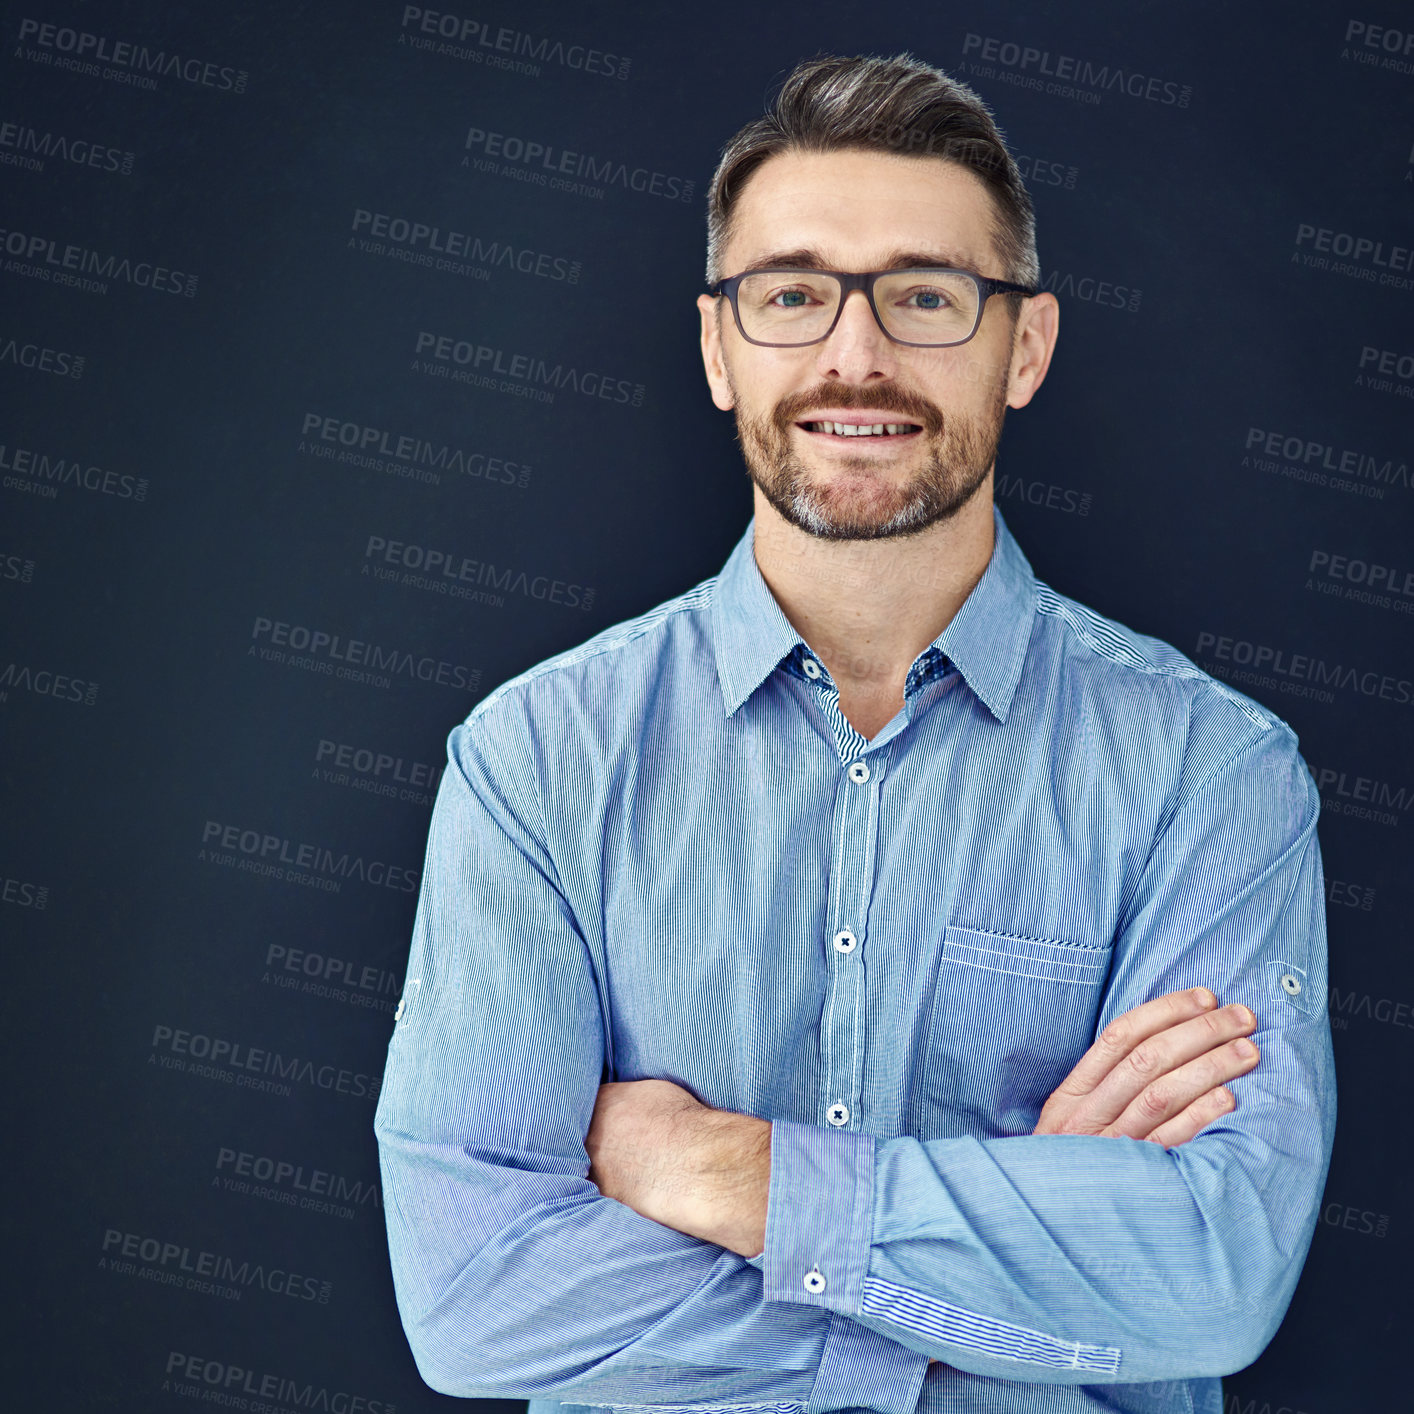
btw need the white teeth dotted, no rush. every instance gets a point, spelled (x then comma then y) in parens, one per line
(851, 429)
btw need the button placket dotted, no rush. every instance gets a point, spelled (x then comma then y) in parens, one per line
(853, 845)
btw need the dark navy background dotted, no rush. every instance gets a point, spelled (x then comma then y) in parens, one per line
(1219, 457)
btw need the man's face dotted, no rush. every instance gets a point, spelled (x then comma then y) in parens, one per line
(863, 211)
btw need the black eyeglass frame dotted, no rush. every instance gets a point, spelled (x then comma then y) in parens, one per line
(849, 281)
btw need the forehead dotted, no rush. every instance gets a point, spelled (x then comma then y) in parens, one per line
(857, 209)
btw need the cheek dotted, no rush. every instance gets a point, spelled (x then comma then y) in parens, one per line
(975, 379)
(751, 398)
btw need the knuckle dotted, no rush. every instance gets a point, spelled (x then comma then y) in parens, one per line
(1153, 1103)
(1142, 1061)
(1115, 1037)
(1212, 1022)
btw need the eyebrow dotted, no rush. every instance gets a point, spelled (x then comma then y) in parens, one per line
(805, 259)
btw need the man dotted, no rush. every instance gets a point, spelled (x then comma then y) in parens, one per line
(797, 903)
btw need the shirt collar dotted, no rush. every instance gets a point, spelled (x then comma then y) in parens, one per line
(986, 639)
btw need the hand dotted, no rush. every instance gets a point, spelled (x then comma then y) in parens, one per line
(1157, 1071)
(657, 1149)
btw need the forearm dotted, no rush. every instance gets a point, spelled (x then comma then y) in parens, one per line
(705, 1172)
(577, 1298)
(551, 1289)
(1060, 1258)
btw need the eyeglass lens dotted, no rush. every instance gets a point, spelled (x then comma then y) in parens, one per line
(918, 306)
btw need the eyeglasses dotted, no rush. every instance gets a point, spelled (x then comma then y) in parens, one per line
(926, 308)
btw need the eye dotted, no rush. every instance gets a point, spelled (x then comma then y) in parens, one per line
(928, 299)
(793, 298)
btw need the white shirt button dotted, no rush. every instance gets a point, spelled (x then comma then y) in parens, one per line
(859, 773)
(811, 669)
(815, 1281)
(1292, 983)
(838, 1115)
(845, 941)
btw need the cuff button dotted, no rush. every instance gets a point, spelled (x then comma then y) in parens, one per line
(1291, 983)
(815, 1281)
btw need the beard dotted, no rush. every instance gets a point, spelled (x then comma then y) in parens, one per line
(958, 453)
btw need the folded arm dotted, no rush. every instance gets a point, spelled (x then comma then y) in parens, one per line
(1155, 1073)
(1078, 1254)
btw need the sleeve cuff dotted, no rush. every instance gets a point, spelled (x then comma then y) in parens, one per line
(819, 1216)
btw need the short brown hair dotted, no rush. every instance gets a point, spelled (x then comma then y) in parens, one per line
(900, 105)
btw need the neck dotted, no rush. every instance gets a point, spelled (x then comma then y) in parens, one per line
(868, 608)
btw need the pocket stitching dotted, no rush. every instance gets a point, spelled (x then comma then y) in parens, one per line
(955, 940)
(1022, 938)
(1088, 981)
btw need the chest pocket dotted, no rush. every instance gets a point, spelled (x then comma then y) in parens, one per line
(1010, 1018)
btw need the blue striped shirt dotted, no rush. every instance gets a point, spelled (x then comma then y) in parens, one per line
(667, 854)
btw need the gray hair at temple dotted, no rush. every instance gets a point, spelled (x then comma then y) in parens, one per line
(900, 105)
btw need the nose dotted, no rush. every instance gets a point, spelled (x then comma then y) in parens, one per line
(857, 350)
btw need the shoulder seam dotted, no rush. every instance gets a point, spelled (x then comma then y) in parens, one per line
(1119, 651)
(607, 640)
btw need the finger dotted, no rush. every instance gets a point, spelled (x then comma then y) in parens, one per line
(1160, 1056)
(1146, 1063)
(1189, 1122)
(1167, 1096)
(1126, 1031)
(1070, 1110)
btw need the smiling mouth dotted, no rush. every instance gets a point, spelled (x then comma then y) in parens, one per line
(865, 429)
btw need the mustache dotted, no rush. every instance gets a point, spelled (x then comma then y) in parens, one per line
(906, 406)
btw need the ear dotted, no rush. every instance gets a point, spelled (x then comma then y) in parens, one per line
(712, 364)
(1034, 341)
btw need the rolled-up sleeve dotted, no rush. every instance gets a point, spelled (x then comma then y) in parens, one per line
(1095, 1260)
(514, 1276)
